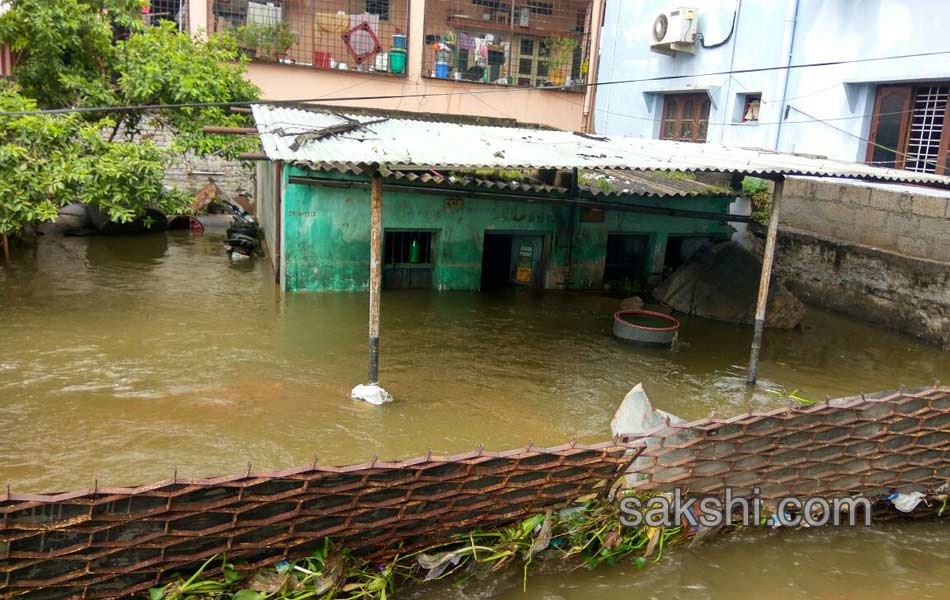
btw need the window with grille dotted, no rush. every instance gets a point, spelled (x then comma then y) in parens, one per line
(353, 35)
(404, 248)
(910, 128)
(523, 42)
(685, 117)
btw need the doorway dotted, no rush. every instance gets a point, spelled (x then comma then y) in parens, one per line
(511, 260)
(627, 259)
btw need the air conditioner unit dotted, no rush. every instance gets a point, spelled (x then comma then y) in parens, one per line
(675, 31)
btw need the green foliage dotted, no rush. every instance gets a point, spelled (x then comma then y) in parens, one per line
(67, 48)
(266, 41)
(591, 179)
(589, 533)
(89, 53)
(48, 161)
(676, 175)
(758, 192)
(162, 66)
(37, 163)
(560, 51)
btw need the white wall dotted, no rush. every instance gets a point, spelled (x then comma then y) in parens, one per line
(826, 30)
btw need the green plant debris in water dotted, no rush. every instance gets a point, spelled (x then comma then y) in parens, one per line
(588, 533)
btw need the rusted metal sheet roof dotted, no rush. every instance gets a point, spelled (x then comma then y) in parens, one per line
(395, 143)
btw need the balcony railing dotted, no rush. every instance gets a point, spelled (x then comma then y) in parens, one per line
(527, 43)
(362, 35)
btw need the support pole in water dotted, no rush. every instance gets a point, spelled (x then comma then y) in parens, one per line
(375, 275)
(372, 392)
(767, 260)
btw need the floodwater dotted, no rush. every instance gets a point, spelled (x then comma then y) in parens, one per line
(124, 359)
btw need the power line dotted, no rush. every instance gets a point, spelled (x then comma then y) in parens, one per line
(904, 155)
(113, 109)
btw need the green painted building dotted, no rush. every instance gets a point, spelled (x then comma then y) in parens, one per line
(478, 230)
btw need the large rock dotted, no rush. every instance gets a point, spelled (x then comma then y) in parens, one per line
(632, 303)
(721, 282)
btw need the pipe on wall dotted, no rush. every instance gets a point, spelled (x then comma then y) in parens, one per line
(791, 25)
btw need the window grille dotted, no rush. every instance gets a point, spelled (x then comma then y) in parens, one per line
(910, 128)
(524, 43)
(926, 128)
(408, 248)
(360, 35)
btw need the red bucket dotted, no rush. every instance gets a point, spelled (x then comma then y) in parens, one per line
(321, 60)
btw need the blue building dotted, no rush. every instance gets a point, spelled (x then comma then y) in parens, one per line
(737, 72)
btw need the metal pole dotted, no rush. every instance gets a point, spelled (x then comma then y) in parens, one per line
(767, 259)
(375, 275)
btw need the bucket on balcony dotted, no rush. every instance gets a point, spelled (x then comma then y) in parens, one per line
(399, 41)
(397, 61)
(321, 60)
(442, 70)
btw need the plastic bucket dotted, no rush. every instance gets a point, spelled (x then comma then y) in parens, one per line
(397, 62)
(321, 60)
(399, 41)
(442, 70)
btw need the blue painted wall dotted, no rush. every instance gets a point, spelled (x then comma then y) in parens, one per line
(826, 30)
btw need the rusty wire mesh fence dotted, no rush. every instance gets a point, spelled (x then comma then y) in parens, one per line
(114, 542)
(866, 445)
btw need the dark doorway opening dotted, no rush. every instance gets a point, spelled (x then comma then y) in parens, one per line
(496, 262)
(627, 259)
(680, 248)
(511, 260)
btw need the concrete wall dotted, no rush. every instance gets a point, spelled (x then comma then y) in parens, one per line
(326, 234)
(824, 31)
(267, 203)
(897, 292)
(903, 219)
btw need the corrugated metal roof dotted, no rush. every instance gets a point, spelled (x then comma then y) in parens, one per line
(396, 143)
(611, 182)
(469, 181)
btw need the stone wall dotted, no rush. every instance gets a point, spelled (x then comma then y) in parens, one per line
(892, 290)
(911, 221)
(191, 173)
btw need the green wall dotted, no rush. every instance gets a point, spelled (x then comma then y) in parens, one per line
(327, 232)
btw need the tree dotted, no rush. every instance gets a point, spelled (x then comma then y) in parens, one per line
(100, 53)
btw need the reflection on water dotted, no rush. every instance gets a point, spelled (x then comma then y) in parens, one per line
(122, 359)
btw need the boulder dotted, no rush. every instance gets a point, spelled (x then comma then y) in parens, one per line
(632, 303)
(721, 282)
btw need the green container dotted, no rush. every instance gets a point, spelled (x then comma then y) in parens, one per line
(414, 254)
(397, 61)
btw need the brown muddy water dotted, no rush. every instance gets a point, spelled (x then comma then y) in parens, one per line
(122, 359)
